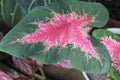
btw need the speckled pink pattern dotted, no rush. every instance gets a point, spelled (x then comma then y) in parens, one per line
(113, 48)
(4, 76)
(61, 30)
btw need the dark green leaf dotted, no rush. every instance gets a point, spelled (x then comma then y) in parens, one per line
(10, 12)
(27, 5)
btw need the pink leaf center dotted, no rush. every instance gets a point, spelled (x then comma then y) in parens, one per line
(113, 48)
(61, 30)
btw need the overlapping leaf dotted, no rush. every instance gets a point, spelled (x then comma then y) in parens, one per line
(112, 42)
(53, 55)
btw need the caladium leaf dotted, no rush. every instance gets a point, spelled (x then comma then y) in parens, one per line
(49, 38)
(10, 12)
(112, 43)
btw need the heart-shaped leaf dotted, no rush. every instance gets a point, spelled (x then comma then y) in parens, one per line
(112, 43)
(67, 40)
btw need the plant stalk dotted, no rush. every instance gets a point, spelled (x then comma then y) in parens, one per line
(45, 2)
(43, 74)
(29, 8)
(49, 1)
(33, 73)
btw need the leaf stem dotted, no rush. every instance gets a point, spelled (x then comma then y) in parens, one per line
(108, 76)
(13, 14)
(45, 2)
(49, 1)
(33, 73)
(42, 73)
(29, 8)
(2, 10)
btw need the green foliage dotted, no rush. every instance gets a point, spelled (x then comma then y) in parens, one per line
(10, 12)
(37, 51)
(113, 74)
(103, 33)
(27, 5)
